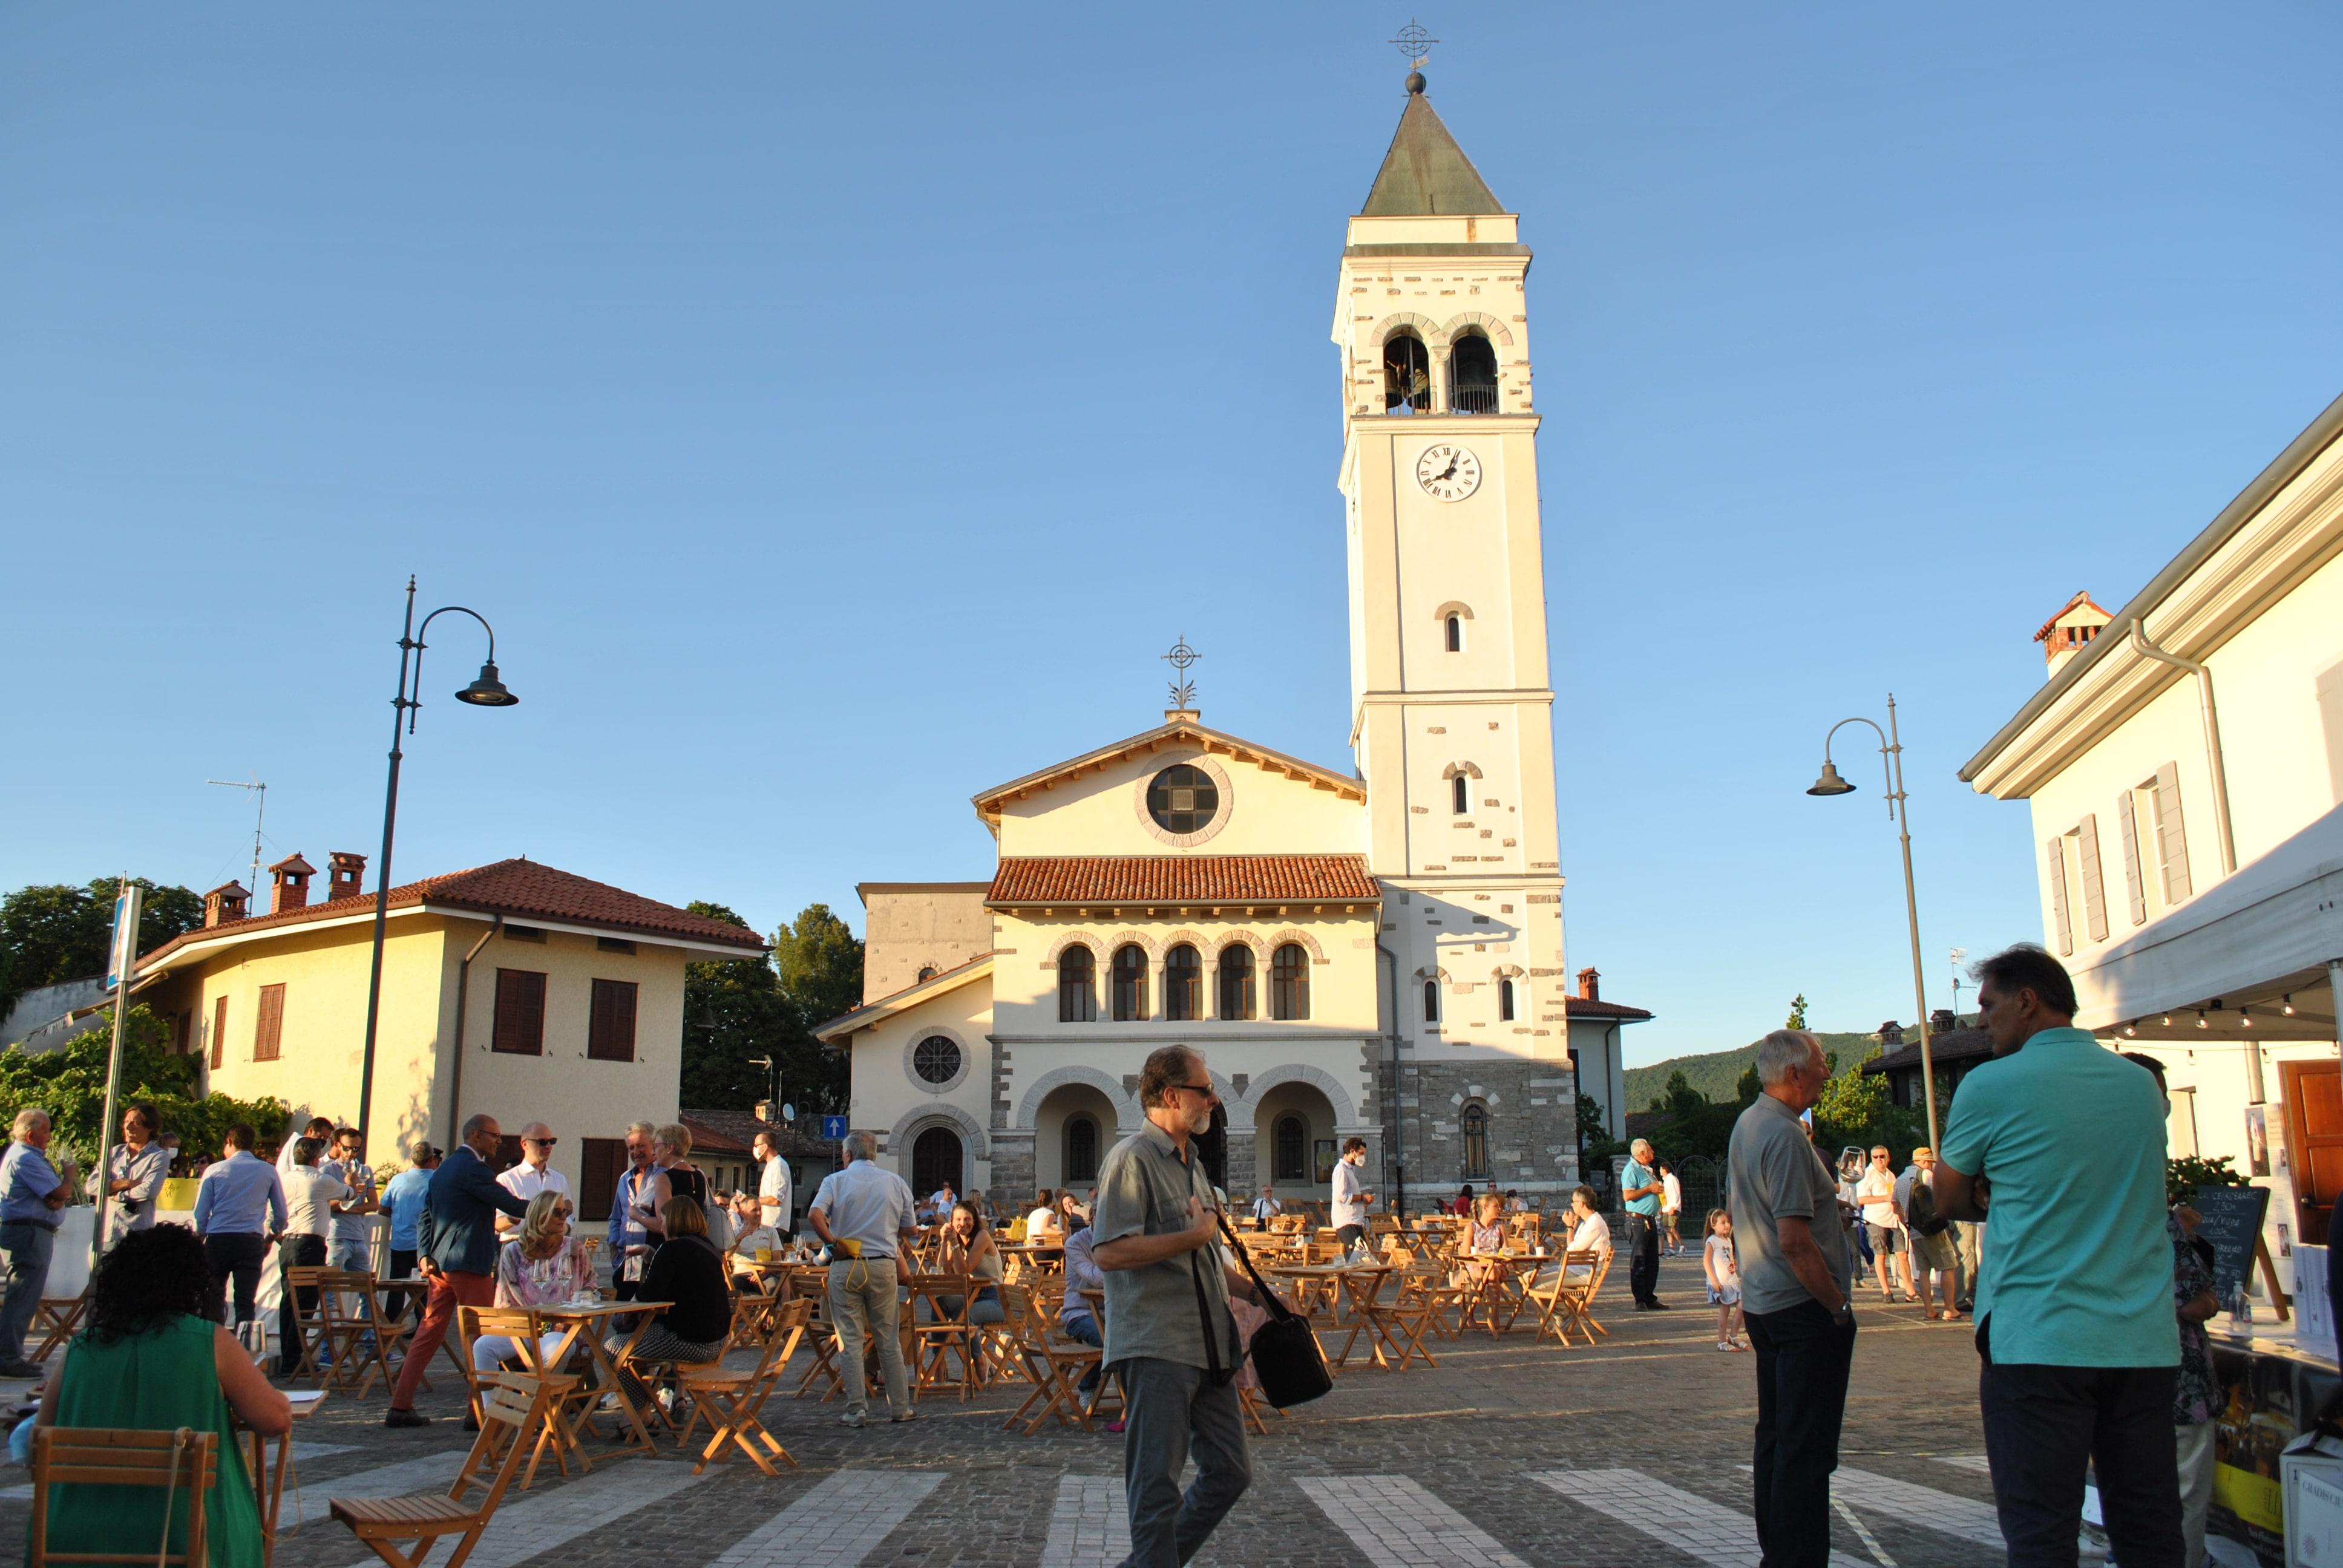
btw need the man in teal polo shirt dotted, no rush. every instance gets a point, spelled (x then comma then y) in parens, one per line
(2065, 1140)
(1640, 1185)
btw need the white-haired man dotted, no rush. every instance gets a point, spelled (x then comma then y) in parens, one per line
(32, 1191)
(1641, 1186)
(865, 1216)
(1796, 1276)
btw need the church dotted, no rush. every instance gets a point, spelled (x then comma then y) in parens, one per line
(1374, 951)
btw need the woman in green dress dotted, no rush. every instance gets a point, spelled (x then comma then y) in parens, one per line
(154, 1357)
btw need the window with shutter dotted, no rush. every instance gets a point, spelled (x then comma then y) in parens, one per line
(268, 1024)
(2059, 925)
(2171, 835)
(602, 1161)
(219, 1031)
(610, 1032)
(2094, 895)
(2135, 887)
(185, 1031)
(520, 1013)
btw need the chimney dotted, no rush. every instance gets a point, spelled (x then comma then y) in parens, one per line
(292, 888)
(344, 875)
(225, 903)
(2069, 632)
(1891, 1034)
(1942, 1022)
(1590, 985)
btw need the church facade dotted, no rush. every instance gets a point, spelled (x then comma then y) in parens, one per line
(1374, 952)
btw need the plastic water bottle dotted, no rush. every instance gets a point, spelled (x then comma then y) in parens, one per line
(2241, 1308)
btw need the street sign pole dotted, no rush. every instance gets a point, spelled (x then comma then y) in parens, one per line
(121, 972)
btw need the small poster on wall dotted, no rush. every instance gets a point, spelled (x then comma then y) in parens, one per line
(1322, 1160)
(2258, 1140)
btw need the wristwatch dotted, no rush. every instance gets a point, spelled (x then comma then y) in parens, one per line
(1846, 1313)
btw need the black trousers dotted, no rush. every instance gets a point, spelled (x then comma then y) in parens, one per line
(235, 1258)
(393, 1302)
(1643, 1257)
(2044, 1424)
(296, 1252)
(1803, 1357)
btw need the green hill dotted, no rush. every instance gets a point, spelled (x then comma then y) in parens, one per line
(1718, 1074)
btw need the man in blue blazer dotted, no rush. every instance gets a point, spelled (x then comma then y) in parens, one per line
(456, 1248)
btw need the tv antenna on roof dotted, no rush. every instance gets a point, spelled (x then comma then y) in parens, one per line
(259, 793)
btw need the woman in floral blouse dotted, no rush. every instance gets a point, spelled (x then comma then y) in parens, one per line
(542, 1266)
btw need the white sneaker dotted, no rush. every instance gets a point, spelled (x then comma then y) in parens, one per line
(851, 1418)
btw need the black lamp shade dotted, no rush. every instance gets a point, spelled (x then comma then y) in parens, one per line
(1830, 783)
(488, 691)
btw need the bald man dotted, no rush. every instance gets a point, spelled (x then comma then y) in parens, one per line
(534, 1173)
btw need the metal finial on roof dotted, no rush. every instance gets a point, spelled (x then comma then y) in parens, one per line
(1415, 43)
(1183, 690)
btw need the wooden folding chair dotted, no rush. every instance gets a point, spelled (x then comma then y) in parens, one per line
(563, 1391)
(351, 1328)
(1053, 1364)
(179, 1462)
(944, 1339)
(1545, 1296)
(1398, 1324)
(1578, 1302)
(509, 1411)
(732, 1400)
(310, 1327)
(55, 1320)
(821, 1373)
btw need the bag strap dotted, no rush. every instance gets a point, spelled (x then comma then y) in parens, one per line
(1204, 1313)
(1278, 1311)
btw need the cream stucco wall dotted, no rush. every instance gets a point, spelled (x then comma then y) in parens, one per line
(1105, 812)
(910, 926)
(891, 1099)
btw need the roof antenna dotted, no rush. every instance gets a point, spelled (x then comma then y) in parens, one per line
(259, 793)
(1415, 43)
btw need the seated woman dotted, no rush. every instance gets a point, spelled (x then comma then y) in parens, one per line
(152, 1358)
(688, 1271)
(1043, 1224)
(1072, 1215)
(542, 1266)
(1485, 1238)
(968, 1248)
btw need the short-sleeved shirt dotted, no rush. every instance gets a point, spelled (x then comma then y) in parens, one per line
(352, 1229)
(403, 1197)
(1152, 1311)
(773, 1191)
(863, 1203)
(1671, 1193)
(1876, 1193)
(1639, 1174)
(26, 1179)
(308, 1191)
(525, 1182)
(2071, 1136)
(1774, 1172)
(1350, 1181)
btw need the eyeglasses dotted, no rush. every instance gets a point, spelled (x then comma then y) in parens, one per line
(542, 1142)
(1196, 1089)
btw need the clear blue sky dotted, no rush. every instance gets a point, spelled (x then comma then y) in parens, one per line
(837, 411)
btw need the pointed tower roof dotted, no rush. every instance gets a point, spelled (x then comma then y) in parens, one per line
(1425, 172)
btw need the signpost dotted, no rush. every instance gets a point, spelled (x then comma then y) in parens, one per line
(834, 1128)
(121, 972)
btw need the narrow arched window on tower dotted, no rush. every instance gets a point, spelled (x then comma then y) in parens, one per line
(1407, 374)
(1459, 790)
(1432, 1001)
(1504, 1001)
(1456, 634)
(1472, 376)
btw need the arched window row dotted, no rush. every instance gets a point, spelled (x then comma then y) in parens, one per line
(1183, 984)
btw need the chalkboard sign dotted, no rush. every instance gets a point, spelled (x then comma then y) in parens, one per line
(2233, 1224)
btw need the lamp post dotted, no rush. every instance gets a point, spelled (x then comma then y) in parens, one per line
(1891, 753)
(486, 691)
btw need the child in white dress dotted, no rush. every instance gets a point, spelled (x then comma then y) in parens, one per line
(1724, 1280)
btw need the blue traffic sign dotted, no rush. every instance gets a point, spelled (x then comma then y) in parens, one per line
(833, 1127)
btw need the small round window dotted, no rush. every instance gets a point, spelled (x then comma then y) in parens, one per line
(1183, 799)
(936, 1060)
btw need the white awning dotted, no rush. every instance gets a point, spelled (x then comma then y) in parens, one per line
(2279, 919)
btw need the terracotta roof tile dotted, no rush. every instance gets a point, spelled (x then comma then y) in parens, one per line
(1180, 879)
(1591, 1007)
(522, 888)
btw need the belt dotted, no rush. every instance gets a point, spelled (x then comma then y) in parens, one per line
(29, 1224)
(866, 1258)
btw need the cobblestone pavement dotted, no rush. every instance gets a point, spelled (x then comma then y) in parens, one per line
(1631, 1452)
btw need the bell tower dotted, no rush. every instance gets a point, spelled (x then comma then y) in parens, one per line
(1452, 714)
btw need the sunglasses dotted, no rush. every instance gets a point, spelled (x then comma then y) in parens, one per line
(1196, 1089)
(542, 1142)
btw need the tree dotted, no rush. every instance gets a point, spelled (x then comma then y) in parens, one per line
(52, 933)
(820, 961)
(733, 1010)
(1749, 1087)
(70, 1085)
(1594, 1140)
(1860, 1111)
(1798, 1011)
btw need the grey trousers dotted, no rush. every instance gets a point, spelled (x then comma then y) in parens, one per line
(1173, 1410)
(864, 1302)
(24, 1250)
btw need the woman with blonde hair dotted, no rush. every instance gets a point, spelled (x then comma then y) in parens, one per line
(541, 1266)
(675, 1176)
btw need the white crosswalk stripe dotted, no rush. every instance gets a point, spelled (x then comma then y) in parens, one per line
(1398, 1524)
(1924, 1505)
(837, 1524)
(544, 1520)
(1691, 1523)
(1091, 1526)
(1977, 1462)
(301, 1451)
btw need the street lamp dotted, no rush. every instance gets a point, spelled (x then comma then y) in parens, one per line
(486, 690)
(1891, 753)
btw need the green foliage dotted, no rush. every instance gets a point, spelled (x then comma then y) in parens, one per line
(2182, 1177)
(1594, 1142)
(1798, 1011)
(768, 1007)
(1861, 1110)
(70, 1085)
(1679, 1098)
(54, 933)
(1749, 1087)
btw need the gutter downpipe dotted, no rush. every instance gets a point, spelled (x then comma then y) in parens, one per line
(2212, 737)
(463, 994)
(1398, 1132)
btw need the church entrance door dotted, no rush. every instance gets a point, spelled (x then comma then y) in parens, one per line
(936, 1159)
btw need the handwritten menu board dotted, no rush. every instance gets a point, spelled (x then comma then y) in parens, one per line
(2233, 1224)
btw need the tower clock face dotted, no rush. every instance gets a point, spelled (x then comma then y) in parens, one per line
(1448, 473)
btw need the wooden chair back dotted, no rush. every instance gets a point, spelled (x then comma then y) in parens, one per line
(179, 1462)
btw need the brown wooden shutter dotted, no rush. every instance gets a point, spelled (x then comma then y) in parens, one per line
(604, 1157)
(219, 1031)
(2171, 835)
(2135, 887)
(508, 1153)
(186, 1032)
(520, 1013)
(610, 1027)
(2095, 892)
(269, 1026)
(2060, 927)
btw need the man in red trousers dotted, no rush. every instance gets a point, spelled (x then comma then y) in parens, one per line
(456, 1248)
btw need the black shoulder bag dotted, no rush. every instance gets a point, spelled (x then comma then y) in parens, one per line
(1286, 1355)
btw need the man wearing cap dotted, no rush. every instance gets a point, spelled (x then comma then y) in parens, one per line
(402, 1199)
(534, 1173)
(1928, 1236)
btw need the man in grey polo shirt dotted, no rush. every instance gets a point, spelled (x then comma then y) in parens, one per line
(865, 1215)
(1790, 1247)
(1169, 1336)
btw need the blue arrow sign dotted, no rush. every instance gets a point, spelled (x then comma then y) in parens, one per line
(833, 1127)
